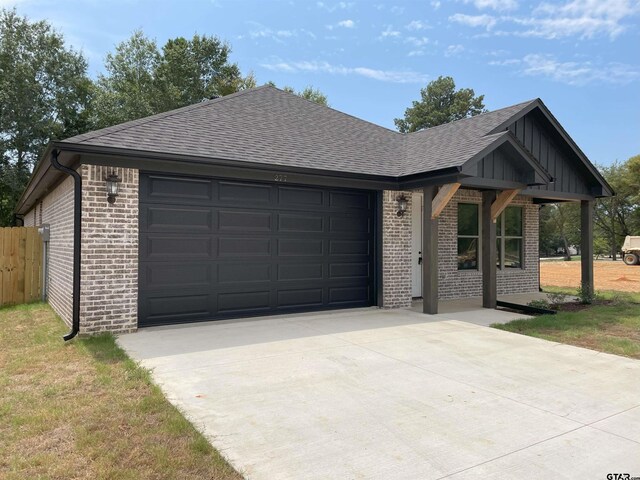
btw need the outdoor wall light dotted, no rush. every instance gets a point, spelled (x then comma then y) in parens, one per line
(113, 184)
(402, 205)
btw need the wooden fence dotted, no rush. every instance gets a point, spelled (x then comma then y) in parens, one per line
(20, 265)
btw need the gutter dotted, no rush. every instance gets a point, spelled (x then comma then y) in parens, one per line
(77, 225)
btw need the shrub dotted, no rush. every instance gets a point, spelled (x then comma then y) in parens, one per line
(556, 299)
(585, 294)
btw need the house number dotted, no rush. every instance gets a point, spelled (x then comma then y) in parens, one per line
(280, 178)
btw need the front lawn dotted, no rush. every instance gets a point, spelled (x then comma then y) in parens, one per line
(85, 410)
(611, 325)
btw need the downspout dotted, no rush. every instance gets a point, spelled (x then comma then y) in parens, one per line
(77, 224)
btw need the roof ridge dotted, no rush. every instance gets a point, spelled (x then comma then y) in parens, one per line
(528, 102)
(336, 110)
(158, 116)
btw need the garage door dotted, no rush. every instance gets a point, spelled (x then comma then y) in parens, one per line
(212, 249)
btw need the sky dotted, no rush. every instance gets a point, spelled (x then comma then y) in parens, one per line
(581, 57)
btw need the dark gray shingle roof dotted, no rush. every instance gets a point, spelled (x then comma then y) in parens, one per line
(269, 126)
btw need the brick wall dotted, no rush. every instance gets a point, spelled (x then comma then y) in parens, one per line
(109, 299)
(396, 251)
(56, 209)
(453, 283)
(456, 283)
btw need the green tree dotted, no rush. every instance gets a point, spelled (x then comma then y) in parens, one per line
(45, 95)
(310, 93)
(619, 216)
(141, 80)
(440, 103)
(129, 89)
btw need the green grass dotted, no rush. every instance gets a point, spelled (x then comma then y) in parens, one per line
(85, 410)
(611, 325)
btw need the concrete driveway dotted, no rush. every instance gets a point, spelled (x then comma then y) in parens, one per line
(375, 394)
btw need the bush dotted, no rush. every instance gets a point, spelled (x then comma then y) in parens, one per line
(585, 294)
(556, 299)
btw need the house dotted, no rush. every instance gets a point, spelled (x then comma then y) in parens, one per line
(262, 202)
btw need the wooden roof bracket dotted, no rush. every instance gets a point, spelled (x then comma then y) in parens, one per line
(502, 201)
(443, 197)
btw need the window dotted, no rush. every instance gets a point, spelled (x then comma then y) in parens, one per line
(468, 235)
(509, 235)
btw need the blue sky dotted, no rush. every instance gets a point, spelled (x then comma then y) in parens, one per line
(582, 57)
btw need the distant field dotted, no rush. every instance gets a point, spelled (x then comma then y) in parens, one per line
(608, 275)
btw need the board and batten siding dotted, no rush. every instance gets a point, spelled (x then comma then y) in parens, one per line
(567, 170)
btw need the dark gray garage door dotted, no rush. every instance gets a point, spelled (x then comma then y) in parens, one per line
(212, 248)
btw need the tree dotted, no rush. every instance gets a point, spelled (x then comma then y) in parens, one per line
(619, 216)
(440, 103)
(310, 93)
(141, 80)
(45, 95)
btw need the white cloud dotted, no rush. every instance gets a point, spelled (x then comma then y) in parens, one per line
(570, 18)
(498, 5)
(260, 31)
(435, 4)
(484, 20)
(389, 32)
(582, 18)
(453, 50)
(335, 6)
(415, 53)
(416, 25)
(573, 72)
(392, 76)
(347, 23)
(417, 41)
(397, 10)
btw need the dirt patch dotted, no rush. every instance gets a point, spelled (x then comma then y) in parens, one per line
(607, 275)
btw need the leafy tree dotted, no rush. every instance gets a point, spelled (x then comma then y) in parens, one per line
(310, 93)
(440, 103)
(561, 222)
(141, 80)
(619, 216)
(45, 95)
(129, 89)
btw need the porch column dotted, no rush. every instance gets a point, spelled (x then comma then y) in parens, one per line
(586, 243)
(429, 254)
(489, 252)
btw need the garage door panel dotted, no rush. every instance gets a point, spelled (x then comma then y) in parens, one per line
(350, 200)
(351, 224)
(233, 273)
(350, 247)
(307, 247)
(349, 294)
(244, 301)
(294, 197)
(163, 188)
(168, 308)
(350, 270)
(307, 297)
(301, 223)
(244, 221)
(163, 218)
(177, 275)
(240, 248)
(244, 193)
(300, 272)
(158, 247)
(244, 247)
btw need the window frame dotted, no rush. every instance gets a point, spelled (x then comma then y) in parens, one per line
(501, 238)
(478, 237)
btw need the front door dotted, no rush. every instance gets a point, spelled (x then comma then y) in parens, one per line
(416, 244)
